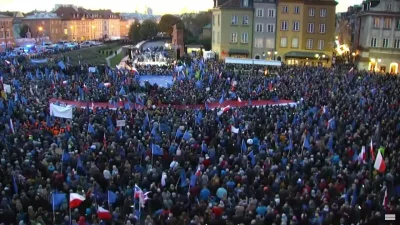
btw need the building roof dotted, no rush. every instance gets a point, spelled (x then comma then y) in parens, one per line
(103, 14)
(69, 12)
(4, 16)
(42, 16)
(208, 26)
(230, 4)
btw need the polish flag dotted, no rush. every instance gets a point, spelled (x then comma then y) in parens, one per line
(104, 141)
(65, 82)
(380, 163)
(363, 156)
(107, 84)
(134, 70)
(239, 100)
(385, 200)
(103, 214)
(93, 107)
(224, 109)
(371, 150)
(198, 171)
(75, 200)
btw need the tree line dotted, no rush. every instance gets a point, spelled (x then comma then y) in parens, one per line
(191, 23)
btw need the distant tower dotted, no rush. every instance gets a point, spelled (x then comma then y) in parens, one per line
(149, 11)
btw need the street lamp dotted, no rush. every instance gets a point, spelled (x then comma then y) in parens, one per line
(354, 56)
(275, 53)
(269, 55)
(40, 31)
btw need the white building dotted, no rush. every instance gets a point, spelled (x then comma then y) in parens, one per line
(378, 36)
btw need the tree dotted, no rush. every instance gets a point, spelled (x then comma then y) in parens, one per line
(167, 21)
(148, 29)
(24, 29)
(134, 32)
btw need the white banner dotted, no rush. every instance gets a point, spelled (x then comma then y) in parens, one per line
(61, 111)
(120, 123)
(7, 88)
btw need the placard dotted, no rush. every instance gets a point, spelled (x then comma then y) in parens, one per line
(120, 123)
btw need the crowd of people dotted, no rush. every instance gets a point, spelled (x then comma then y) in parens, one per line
(151, 162)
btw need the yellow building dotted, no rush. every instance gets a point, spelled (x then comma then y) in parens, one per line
(232, 28)
(306, 32)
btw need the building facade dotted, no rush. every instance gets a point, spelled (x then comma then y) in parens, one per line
(264, 29)
(107, 23)
(378, 36)
(232, 28)
(6, 33)
(306, 32)
(43, 25)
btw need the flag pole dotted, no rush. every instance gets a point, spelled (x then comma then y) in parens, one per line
(54, 213)
(62, 160)
(70, 217)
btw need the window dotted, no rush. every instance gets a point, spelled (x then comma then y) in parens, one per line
(234, 38)
(398, 24)
(7, 34)
(310, 28)
(388, 23)
(284, 42)
(259, 27)
(309, 43)
(284, 9)
(234, 20)
(259, 12)
(385, 43)
(321, 44)
(246, 3)
(396, 43)
(373, 42)
(389, 6)
(245, 20)
(296, 25)
(296, 10)
(270, 28)
(322, 28)
(311, 12)
(271, 13)
(66, 31)
(284, 25)
(376, 22)
(270, 43)
(295, 42)
(322, 13)
(218, 37)
(245, 38)
(258, 42)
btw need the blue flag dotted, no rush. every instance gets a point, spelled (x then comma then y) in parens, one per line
(156, 150)
(112, 197)
(183, 178)
(57, 200)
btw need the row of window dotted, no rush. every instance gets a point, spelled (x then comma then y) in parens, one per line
(270, 13)
(269, 28)
(244, 38)
(296, 27)
(387, 23)
(6, 33)
(311, 11)
(259, 43)
(385, 43)
(295, 43)
(245, 20)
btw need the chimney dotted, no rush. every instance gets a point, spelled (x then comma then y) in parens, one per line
(215, 3)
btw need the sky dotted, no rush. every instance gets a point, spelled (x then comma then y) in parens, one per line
(158, 6)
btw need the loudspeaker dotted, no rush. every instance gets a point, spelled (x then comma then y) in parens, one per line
(178, 53)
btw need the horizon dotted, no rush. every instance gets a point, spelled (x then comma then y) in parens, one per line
(120, 6)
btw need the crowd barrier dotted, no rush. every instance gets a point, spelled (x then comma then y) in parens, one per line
(212, 105)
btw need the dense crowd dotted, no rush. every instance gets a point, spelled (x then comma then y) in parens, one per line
(273, 164)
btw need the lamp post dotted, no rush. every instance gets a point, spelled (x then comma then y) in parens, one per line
(275, 53)
(354, 57)
(269, 55)
(72, 32)
(40, 31)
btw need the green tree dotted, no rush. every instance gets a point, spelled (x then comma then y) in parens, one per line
(24, 29)
(134, 32)
(167, 21)
(148, 29)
